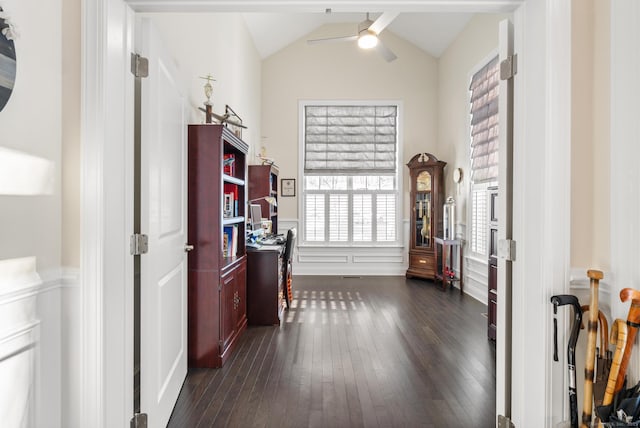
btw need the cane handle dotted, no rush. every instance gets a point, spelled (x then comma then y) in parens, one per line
(595, 274)
(627, 294)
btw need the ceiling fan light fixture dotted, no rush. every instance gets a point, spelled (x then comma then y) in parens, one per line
(367, 40)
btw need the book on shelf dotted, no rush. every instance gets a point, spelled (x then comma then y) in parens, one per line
(226, 239)
(234, 241)
(230, 241)
(229, 167)
(231, 189)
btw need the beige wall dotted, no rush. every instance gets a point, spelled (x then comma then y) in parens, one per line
(30, 140)
(217, 44)
(590, 202)
(473, 46)
(71, 133)
(342, 71)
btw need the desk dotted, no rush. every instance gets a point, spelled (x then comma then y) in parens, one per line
(446, 259)
(265, 285)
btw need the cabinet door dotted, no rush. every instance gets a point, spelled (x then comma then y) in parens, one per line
(227, 312)
(240, 296)
(423, 206)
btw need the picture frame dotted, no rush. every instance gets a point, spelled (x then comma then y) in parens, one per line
(228, 205)
(288, 187)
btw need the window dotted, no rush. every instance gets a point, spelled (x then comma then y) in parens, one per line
(483, 91)
(350, 185)
(479, 220)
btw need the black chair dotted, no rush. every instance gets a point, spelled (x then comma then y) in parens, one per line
(287, 263)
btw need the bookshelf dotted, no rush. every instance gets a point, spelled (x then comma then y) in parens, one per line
(263, 181)
(217, 181)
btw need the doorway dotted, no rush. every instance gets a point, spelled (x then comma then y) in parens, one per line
(99, 155)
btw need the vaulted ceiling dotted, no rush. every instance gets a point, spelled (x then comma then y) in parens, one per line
(429, 24)
(432, 32)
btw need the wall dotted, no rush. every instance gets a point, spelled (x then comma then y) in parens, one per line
(30, 222)
(304, 72)
(342, 71)
(590, 128)
(220, 45)
(470, 50)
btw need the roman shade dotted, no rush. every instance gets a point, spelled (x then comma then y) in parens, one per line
(353, 140)
(484, 122)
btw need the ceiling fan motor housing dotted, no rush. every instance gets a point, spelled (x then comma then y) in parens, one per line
(364, 26)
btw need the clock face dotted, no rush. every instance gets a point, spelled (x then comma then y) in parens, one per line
(457, 175)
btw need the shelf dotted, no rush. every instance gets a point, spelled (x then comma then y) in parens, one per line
(232, 220)
(232, 180)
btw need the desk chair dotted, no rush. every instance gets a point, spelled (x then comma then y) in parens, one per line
(287, 263)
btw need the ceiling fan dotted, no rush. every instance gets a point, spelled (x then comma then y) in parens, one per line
(367, 36)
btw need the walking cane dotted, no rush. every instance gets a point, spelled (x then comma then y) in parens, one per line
(603, 357)
(633, 322)
(592, 329)
(619, 334)
(571, 348)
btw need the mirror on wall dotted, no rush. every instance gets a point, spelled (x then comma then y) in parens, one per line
(7, 59)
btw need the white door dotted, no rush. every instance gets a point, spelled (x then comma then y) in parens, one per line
(504, 211)
(163, 208)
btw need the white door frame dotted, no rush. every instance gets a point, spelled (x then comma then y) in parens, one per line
(106, 272)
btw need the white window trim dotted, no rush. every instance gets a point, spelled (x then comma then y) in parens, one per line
(399, 174)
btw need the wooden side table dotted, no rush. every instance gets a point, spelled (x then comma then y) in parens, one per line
(448, 245)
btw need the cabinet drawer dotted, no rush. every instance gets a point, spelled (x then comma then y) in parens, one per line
(424, 263)
(421, 260)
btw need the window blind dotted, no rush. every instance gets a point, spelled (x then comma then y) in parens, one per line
(484, 122)
(358, 140)
(479, 223)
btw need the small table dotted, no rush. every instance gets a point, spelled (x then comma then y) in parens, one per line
(447, 261)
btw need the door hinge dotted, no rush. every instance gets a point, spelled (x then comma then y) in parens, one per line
(139, 65)
(509, 67)
(507, 249)
(139, 420)
(505, 422)
(139, 244)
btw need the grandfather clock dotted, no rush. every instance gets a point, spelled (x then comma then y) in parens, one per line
(427, 197)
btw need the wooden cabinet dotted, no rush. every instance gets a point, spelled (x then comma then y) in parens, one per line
(265, 286)
(427, 198)
(263, 181)
(234, 307)
(217, 263)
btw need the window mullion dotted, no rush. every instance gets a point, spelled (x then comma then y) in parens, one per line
(327, 214)
(374, 217)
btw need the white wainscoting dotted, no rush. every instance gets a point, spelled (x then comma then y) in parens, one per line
(30, 345)
(476, 278)
(347, 261)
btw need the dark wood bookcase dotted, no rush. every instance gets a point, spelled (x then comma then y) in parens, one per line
(263, 181)
(426, 198)
(217, 264)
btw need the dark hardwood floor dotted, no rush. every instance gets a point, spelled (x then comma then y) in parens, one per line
(370, 351)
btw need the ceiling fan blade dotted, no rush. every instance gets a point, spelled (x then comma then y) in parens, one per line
(333, 39)
(385, 51)
(383, 20)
